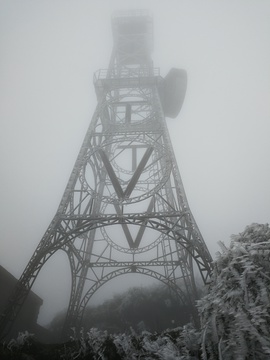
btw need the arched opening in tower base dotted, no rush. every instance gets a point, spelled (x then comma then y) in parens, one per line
(142, 299)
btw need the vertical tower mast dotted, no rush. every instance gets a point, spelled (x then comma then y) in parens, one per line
(124, 209)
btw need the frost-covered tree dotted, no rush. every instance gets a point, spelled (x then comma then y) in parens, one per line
(235, 314)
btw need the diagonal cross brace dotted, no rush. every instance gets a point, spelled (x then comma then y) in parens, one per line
(142, 228)
(133, 181)
(125, 228)
(134, 244)
(117, 187)
(138, 171)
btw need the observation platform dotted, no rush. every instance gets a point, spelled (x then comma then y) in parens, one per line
(105, 80)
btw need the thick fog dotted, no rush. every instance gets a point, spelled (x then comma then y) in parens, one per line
(49, 52)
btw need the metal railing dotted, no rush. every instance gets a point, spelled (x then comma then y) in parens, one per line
(126, 73)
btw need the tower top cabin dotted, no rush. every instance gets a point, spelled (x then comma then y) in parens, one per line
(133, 45)
(133, 37)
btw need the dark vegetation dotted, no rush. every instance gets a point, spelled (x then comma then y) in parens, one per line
(154, 309)
(234, 314)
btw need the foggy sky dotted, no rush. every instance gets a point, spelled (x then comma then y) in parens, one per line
(49, 52)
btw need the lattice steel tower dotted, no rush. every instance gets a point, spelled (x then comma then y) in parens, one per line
(124, 209)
